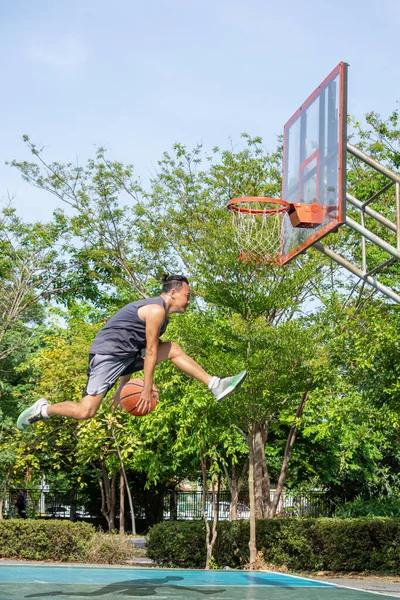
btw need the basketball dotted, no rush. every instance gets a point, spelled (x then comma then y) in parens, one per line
(130, 396)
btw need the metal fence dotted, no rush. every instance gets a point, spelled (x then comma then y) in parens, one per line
(51, 504)
(189, 505)
(175, 505)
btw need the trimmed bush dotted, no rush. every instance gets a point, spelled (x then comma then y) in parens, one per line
(44, 540)
(109, 548)
(178, 543)
(358, 544)
(298, 544)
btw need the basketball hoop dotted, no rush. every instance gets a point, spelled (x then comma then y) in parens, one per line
(257, 224)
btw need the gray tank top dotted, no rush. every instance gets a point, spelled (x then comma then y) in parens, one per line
(125, 332)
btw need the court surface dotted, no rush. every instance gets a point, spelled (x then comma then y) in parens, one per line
(80, 583)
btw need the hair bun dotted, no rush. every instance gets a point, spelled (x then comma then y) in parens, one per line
(164, 277)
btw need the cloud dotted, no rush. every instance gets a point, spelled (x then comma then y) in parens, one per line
(66, 53)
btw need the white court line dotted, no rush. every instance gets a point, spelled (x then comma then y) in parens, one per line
(328, 583)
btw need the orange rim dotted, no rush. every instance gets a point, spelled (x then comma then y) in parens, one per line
(281, 205)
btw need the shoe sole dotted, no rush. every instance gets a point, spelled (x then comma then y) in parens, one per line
(232, 389)
(20, 425)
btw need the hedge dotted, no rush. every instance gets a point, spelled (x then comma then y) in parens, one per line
(44, 540)
(299, 544)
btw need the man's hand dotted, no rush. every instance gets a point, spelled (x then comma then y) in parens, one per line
(116, 400)
(144, 404)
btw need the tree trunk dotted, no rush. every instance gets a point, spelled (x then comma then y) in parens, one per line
(2, 497)
(211, 535)
(108, 496)
(72, 516)
(154, 504)
(234, 489)
(259, 468)
(132, 510)
(121, 504)
(252, 541)
(286, 457)
(128, 491)
(262, 479)
(173, 505)
(235, 484)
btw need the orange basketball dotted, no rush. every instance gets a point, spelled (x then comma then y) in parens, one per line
(130, 396)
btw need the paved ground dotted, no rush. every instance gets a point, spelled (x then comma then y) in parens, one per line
(60, 582)
(390, 586)
(139, 542)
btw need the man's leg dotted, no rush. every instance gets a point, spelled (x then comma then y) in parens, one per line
(173, 352)
(85, 409)
(220, 387)
(41, 409)
(103, 372)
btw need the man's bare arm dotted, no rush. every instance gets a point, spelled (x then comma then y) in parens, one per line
(155, 316)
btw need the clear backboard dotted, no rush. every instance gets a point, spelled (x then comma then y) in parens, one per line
(314, 166)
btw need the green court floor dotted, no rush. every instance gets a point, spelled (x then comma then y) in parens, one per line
(80, 583)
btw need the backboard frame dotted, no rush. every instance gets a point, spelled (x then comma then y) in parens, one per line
(340, 217)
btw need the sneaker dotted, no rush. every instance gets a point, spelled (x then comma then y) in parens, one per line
(32, 414)
(227, 385)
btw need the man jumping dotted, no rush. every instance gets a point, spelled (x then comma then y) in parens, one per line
(130, 342)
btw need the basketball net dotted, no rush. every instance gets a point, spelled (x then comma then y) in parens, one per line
(257, 225)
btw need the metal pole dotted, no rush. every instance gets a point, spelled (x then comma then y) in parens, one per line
(363, 244)
(372, 163)
(372, 213)
(379, 193)
(398, 214)
(371, 280)
(373, 238)
(378, 268)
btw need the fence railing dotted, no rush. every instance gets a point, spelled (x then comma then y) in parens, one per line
(51, 504)
(189, 505)
(176, 505)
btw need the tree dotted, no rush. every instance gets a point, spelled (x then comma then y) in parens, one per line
(182, 221)
(34, 268)
(110, 252)
(257, 316)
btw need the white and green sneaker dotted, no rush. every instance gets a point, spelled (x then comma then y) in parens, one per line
(226, 385)
(32, 414)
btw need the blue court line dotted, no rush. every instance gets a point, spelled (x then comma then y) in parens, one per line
(98, 576)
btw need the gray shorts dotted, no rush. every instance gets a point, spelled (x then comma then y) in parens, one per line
(105, 369)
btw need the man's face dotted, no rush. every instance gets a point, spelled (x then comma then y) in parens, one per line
(181, 298)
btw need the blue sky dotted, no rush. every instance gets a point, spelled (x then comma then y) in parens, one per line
(139, 76)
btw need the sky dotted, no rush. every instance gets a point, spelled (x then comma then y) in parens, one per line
(138, 76)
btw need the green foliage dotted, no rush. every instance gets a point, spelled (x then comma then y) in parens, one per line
(375, 507)
(357, 544)
(112, 252)
(178, 544)
(243, 316)
(299, 545)
(34, 268)
(380, 139)
(44, 540)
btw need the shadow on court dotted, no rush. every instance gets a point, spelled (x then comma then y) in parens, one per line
(132, 589)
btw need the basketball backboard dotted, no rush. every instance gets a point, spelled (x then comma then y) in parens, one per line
(314, 166)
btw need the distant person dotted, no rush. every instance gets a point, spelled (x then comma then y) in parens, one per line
(130, 342)
(21, 505)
